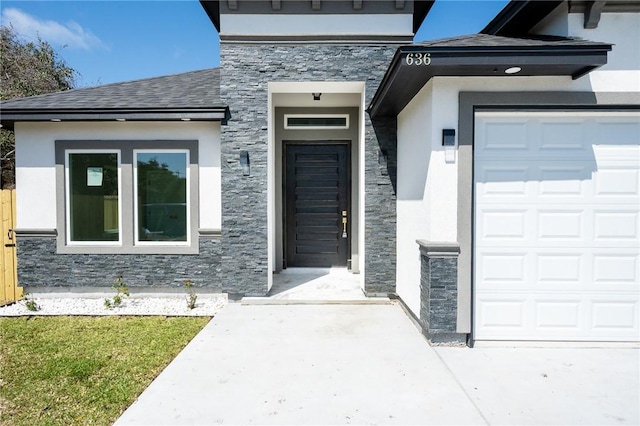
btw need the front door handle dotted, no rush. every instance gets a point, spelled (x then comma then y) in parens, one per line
(344, 224)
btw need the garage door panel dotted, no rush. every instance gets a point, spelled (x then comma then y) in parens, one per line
(614, 314)
(503, 180)
(524, 180)
(499, 313)
(503, 224)
(503, 269)
(560, 225)
(616, 271)
(616, 226)
(533, 138)
(563, 137)
(618, 133)
(571, 268)
(617, 181)
(554, 314)
(563, 180)
(557, 226)
(514, 182)
(504, 137)
(564, 270)
(577, 317)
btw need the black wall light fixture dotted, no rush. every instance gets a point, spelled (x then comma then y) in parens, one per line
(316, 96)
(244, 163)
(448, 137)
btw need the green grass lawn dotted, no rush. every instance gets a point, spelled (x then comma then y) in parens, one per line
(83, 370)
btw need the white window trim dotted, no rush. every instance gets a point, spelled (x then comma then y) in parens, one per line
(67, 182)
(287, 116)
(136, 241)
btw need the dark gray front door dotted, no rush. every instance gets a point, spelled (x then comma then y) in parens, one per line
(317, 204)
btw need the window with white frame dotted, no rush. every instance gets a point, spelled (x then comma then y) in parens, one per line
(127, 196)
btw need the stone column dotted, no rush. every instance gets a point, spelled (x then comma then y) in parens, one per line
(439, 293)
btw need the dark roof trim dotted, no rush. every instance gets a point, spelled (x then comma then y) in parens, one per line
(213, 12)
(518, 17)
(420, 11)
(403, 81)
(10, 116)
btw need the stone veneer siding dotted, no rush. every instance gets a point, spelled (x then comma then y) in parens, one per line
(40, 266)
(439, 292)
(380, 207)
(246, 70)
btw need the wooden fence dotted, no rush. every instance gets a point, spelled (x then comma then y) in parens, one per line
(9, 290)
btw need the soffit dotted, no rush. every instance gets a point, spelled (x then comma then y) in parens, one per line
(481, 55)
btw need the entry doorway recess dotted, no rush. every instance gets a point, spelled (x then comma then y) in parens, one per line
(317, 203)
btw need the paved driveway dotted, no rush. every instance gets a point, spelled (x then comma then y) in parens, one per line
(368, 364)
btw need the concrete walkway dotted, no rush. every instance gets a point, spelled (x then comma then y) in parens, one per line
(368, 364)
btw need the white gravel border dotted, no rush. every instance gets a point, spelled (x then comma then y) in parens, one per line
(207, 305)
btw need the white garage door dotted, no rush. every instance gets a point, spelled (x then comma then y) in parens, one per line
(557, 226)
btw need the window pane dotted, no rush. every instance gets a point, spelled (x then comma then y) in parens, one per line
(340, 122)
(162, 196)
(93, 197)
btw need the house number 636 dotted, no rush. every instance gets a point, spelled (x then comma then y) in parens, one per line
(418, 59)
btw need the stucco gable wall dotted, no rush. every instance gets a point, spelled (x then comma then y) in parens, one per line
(620, 29)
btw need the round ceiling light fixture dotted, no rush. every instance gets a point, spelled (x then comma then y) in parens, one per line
(513, 70)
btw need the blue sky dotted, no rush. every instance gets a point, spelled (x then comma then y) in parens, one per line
(113, 41)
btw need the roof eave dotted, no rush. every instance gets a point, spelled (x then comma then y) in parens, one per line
(402, 82)
(9, 117)
(212, 8)
(518, 17)
(421, 9)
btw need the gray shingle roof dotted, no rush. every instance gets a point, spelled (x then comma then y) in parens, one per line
(196, 89)
(192, 95)
(494, 41)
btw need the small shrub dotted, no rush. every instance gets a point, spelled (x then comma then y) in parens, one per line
(122, 290)
(30, 304)
(191, 294)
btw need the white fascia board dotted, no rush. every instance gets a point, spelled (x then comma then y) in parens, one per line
(315, 25)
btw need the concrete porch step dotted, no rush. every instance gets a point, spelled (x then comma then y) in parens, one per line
(272, 301)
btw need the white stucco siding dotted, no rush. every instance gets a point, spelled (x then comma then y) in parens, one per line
(555, 23)
(413, 201)
(35, 177)
(35, 163)
(210, 177)
(622, 30)
(622, 71)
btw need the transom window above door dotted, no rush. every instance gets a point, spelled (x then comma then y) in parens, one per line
(316, 121)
